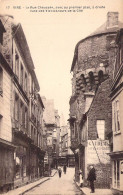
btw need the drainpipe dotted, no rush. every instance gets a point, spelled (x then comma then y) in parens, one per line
(96, 152)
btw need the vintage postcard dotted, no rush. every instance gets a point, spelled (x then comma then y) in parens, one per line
(61, 97)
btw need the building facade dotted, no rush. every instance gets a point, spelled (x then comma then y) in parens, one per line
(26, 106)
(90, 105)
(117, 114)
(56, 139)
(52, 130)
(6, 146)
(66, 155)
(70, 154)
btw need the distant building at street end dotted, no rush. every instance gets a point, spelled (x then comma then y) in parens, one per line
(90, 103)
(52, 130)
(66, 155)
(117, 118)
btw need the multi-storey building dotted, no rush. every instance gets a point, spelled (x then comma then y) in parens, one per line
(63, 143)
(70, 154)
(52, 129)
(117, 114)
(56, 139)
(66, 155)
(26, 106)
(41, 141)
(49, 124)
(90, 105)
(6, 145)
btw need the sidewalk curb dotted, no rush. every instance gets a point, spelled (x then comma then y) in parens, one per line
(37, 184)
(79, 187)
(33, 186)
(53, 174)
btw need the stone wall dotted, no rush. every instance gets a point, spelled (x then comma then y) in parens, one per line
(101, 109)
(97, 51)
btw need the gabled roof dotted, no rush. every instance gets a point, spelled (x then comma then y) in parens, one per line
(19, 36)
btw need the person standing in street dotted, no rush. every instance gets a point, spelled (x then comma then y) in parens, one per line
(65, 169)
(81, 179)
(59, 172)
(91, 178)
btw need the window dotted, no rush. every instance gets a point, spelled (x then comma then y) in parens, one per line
(91, 79)
(116, 116)
(16, 65)
(66, 144)
(73, 128)
(83, 79)
(101, 129)
(32, 111)
(116, 174)
(21, 114)
(21, 76)
(26, 118)
(32, 135)
(32, 86)
(1, 38)
(100, 76)
(2, 30)
(25, 82)
(38, 138)
(16, 111)
(1, 81)
(54, 148)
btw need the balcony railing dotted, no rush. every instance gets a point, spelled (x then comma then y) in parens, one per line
(17, 126)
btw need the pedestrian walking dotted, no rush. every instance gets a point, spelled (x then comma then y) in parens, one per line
(60, 172)
(91, 178)
(65, 169)
(81, 178)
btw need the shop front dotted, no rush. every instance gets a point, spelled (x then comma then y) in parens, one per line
(117, 172)
(6, 165)
(41, 155)
(21, 160)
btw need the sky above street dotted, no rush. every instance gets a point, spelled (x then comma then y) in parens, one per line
(52, 37)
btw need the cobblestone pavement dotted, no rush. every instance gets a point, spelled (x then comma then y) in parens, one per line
(60, 186)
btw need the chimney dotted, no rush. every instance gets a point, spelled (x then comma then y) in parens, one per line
(112, 19)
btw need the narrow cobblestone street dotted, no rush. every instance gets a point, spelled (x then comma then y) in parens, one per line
(56, 185)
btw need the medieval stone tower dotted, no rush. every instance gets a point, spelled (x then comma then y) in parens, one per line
(90, 105)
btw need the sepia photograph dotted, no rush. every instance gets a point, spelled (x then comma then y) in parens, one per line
(61, 97)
